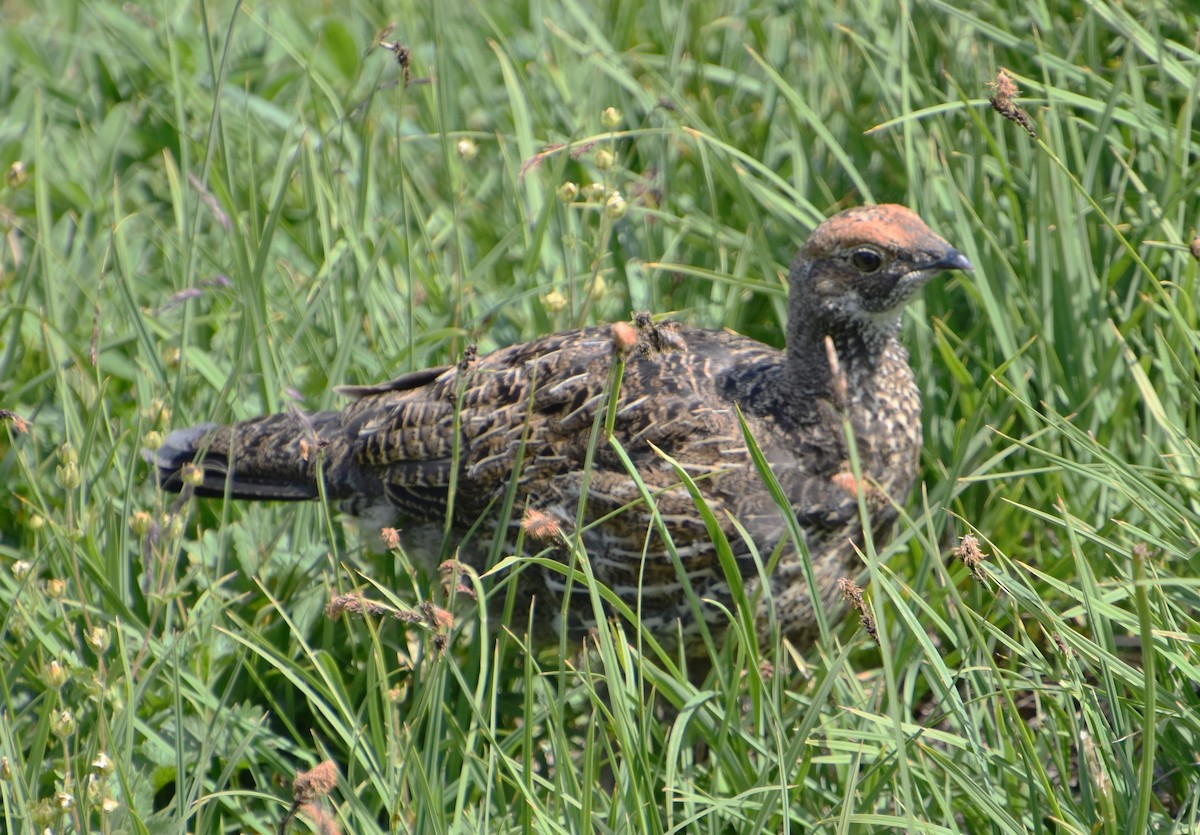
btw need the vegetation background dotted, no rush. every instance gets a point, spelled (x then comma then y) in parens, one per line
(216, 209)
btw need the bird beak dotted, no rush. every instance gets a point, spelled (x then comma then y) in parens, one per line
(952, 259)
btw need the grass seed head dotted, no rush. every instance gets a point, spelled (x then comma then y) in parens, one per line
(454, 579)
(615, 206)
(62, 723)
(17, 175)
(852, 594)
(554, 301)
(1003, 102)
(390, 537)
(540, 526)
(467, 150)
(140, 523)
(68, 475)
(103, 765)
(969, 552)
(19, 424)
(625, 338)
(55, 675)
(317, 782)
(98, 639)
(192, 474)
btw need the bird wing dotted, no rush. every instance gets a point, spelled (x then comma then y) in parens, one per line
(527, 412)
(412, 380)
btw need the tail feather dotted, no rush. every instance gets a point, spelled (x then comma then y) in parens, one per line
(272, 458)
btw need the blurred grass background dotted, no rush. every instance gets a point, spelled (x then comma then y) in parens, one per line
(212, 210)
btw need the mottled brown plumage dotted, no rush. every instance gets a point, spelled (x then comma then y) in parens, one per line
(528, 412)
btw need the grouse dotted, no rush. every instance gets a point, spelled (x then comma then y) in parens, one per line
(556, 429)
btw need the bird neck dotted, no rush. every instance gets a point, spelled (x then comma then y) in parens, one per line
(873, 387)
(860, 349)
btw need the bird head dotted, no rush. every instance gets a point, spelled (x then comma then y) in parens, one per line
(859, 267)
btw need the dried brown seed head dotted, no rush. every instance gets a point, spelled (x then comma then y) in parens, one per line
(455, 579)
(436, 617)
(390, 537)
(1003, 102)
(317, 782)
(540, 526)
(1005, 87)
(968, 551)
(624, 337)
(18, 423)
(355, 604)
(853, 595)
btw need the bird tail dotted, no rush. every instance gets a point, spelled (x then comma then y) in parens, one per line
(273, 458)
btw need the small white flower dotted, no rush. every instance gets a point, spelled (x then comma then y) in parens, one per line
(102, 764)
(467, 150)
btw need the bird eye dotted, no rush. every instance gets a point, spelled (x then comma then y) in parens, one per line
(866, 260)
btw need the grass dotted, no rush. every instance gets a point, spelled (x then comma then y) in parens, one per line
(215, 210)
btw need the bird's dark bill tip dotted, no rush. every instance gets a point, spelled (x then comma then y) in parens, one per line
(952, 260)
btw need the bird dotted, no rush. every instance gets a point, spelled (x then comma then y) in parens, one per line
(600, 441)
